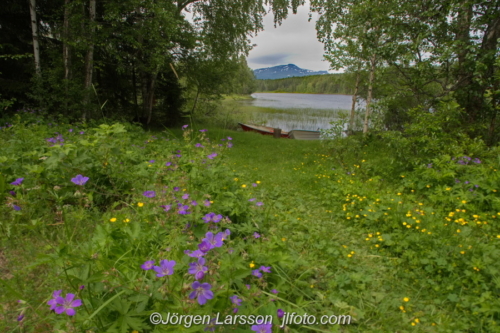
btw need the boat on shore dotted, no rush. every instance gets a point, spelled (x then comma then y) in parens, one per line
(304, 135)
(264, 130)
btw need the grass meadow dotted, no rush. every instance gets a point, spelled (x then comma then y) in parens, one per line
(103, 225)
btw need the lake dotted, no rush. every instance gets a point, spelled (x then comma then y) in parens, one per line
(297, 111)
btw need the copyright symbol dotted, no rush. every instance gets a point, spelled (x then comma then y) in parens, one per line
(155, 318)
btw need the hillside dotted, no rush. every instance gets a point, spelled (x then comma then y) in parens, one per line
(317, 84)
(284, 71)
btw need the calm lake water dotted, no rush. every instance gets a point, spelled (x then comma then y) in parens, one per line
(302, 101)
(298, 111)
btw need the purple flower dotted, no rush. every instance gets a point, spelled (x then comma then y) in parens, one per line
(477, 161)
(254, 184)
(256, 235)
(12, 193)
(81, 287)
(80, 180)
(65, 304)
(185, 196)
(212, 156)
(70, 130)
(281, 313)
(229, 138)
(183, 210)
(168, 164)
(194, 203)
(199, 145)
(214, 241)
(195, 254)
(198, 269)
(259, 204)
(274, 291)
(176, 189)
(262, 327)
(149, 194)
(211, 217)
(184, 127)
(235, 300)
(206, 203)
(429, 165)
(248, 286)
(227, 232)
(166, 268)
(82, 132)
(252, 199)
(265, 269)
(148, 265)
(166, 207)
(151, 161)
(229, 145)
(17, 182)
(16, 207)
(53, 302)
(20, 317)
(257, 273)
(467, 182)
(203, 130)
(235, 310)
(201, 292)
(178, 155)
(204, 246)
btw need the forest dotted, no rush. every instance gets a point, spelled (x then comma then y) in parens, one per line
(315, 84)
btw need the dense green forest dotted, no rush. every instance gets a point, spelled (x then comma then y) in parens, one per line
(315, 84)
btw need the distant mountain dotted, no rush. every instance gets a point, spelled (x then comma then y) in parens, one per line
(284, 71)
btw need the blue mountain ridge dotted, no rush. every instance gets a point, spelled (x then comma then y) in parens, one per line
(284, 71)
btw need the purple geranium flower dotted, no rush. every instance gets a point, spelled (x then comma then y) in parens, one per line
(213, 240)
(185, 196)
(256, 235)
(199, 145)
(53, 302)
(166, 268)
(184, 127)
(212, 217)
(280, 313)
(149, 194)
(80, 180)
(257, 273)
(201, 292)
(168, 164)
(203, 130)
(252, 199)
(183, 210)
(166, 207)
(17, 182)
(176, 189)
(229, 145)
(204, 246)
(12, 193)
(16, 207)
(82, 132)
(20, 317)
(194, 203)
(195, 254)
(265, 269)
(151, 161)
(235, 300)
(67, 304)
(70, 130)
(212, 156)
(254, 184)
(148, 265)
(198, 269)
(259, 204)
(229, 138)
(262, 327)
(206, 203)
(274, 291)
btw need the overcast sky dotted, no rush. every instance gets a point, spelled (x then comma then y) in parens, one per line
(294, 42)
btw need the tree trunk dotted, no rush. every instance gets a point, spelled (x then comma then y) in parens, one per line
(66, 51)
(89, 58)
(150, 96)
(34, 31)
(353, 107)
(370, 90)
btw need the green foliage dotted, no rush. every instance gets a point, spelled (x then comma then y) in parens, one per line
(315, 84)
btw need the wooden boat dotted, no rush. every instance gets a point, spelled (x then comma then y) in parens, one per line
(304, 135)
(264, 130)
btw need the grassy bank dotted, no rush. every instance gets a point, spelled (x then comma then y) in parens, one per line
(346, 227)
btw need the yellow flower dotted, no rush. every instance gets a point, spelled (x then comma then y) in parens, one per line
(283, 239)
(140, 204)
(401, 308)
(236, 179)
(406, 299)
(126, 220)
(349, 255)
(258, 182)
(312, 285)
(113, 219)
(464, 202)
(402, 176)
(448, 189)
(462, 252)
(413, 324)
(417, 320)
(243, 186)
(399, 193)
(252, 265)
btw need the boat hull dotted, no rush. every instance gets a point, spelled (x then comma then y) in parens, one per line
(264, 130)
(304, 135)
